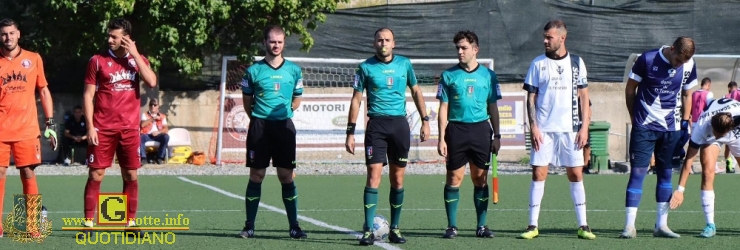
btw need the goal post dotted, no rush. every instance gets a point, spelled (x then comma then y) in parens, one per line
(321, 120)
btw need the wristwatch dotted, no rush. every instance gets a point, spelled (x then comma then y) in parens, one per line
(497, 137)
(50, 123)
(426, 118)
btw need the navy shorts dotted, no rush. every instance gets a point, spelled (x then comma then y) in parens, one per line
(667, 146)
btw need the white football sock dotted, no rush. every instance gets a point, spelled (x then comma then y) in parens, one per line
(707, 201)
(662, 215)
(631, 216)
(536, 191)
(578, 194)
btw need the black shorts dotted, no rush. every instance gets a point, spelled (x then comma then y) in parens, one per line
(268, 140)
(389, 136)
(468, 143)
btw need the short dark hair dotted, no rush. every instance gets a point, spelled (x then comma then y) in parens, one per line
(120, 23)
(8, 22)
(705, 81)
(469, 36)
(684, 47)
(559, 24)
(732, 85)
(382, 29)
(78, 107)
(272, 28)
(723, 122)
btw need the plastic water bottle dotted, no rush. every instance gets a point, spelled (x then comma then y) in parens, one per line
(44, 218)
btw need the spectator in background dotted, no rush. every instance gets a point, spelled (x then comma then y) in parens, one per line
(154, 128)
(733, 93)
(701, 98)
(75, 133)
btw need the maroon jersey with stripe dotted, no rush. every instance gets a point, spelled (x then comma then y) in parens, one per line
(117, 97)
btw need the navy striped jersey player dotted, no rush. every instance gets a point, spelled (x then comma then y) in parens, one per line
(658, 104)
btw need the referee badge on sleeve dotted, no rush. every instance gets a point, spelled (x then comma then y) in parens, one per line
(439, 89)
(357, 81)
(299, 84)
(245, 83)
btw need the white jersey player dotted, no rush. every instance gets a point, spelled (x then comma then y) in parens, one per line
(557, 91)
(718, 125)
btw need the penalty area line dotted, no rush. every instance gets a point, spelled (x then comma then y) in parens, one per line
(300, 217)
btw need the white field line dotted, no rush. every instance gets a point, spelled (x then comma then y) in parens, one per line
(303, 218)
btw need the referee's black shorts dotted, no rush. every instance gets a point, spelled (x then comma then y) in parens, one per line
(387, 136)
(468, 143)
(271, 140)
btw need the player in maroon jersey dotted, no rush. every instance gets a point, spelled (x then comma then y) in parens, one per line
(113, 80)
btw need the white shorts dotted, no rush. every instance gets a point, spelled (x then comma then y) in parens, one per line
(558, 149)
(733, 145)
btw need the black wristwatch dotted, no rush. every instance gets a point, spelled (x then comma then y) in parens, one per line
(426, 118)
(50, 124)
(497, 137)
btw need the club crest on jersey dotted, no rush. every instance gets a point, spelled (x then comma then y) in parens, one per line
(671, 72)
(655, 68)
(389, 82)
(132, 63)
(110, 64)
(560, 70)
(26, 63)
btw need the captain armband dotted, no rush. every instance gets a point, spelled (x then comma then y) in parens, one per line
(351, 128)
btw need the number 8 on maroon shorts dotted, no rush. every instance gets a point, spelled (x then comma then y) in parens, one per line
(123, 143)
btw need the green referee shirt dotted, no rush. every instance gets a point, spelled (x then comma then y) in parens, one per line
(468, 93)
(273, 89)
(386, 85)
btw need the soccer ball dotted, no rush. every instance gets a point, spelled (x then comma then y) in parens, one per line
(381, 227)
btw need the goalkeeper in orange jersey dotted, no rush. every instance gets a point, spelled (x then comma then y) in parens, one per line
(21, 73)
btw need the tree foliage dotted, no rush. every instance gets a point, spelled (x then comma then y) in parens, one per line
(174, 32)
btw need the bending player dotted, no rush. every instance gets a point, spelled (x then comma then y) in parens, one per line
(717, 126)
(112, 108)
(385, 76)
(467, 94)
(275, 86)
(19, 129)
(660, 110)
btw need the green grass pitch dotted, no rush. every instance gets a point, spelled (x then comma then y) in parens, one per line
(335, 202)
